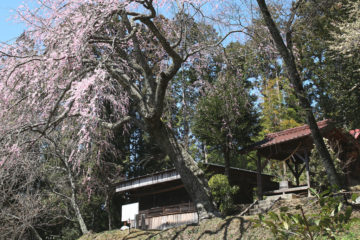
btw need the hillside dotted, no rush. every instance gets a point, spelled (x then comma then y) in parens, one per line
(232, 227)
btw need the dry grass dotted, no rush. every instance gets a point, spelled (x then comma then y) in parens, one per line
(133, 234)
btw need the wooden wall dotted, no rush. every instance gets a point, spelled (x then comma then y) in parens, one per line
(168, 221)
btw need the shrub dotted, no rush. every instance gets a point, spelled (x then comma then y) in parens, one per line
(332, 219)
(222, 193)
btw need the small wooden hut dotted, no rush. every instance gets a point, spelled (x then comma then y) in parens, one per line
(293, 147)
(164, 202)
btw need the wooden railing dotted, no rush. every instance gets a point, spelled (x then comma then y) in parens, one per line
(288, 190)
(169, 210)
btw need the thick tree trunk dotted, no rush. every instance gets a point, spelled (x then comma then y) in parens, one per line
(191, 175)
(295, 79)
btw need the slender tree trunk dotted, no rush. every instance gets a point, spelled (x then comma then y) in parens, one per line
(73, 200)
(185, 117)
(227, 161)
(295, 79)
(191, 175)
(108, 207)
(205, 152)
(36, 233)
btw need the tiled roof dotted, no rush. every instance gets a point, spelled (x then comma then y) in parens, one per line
(171, 175)
(288, 135)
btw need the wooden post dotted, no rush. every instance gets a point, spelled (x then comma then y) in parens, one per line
(284, 171)
(259, 180)
(297, 176)
(296, 171)
(143, 222)
(307, 173)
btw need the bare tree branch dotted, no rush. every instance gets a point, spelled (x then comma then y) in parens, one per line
(121, 122)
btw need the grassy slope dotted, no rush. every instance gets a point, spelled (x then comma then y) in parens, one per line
(232, 227)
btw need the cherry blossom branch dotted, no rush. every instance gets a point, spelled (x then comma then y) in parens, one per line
(17, 103)
(36, 127)
(288, 33)
(181, 13)
(4, 54)
(211, 45)
(124, 80)
(165, 76)
(103, 39)
(57, 104)
(140, 58)
(148, 5)
(122, 54)
(19, 65)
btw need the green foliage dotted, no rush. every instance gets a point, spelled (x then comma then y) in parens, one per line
(225, 117)
(354, 231)
(280, 108)
(348, 41)
(331, 76)
(222, 192)
(332, 219)
(68, 233)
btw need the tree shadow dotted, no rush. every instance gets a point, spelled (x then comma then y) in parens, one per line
(176, 234)
(136, 235)
(224, 226)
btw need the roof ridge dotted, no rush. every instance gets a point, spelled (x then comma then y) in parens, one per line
(295, 129)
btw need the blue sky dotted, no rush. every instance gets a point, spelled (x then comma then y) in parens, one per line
(8, 29)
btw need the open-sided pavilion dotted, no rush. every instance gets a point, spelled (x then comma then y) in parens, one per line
(293, 147)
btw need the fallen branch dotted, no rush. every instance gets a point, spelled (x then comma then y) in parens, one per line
(248, 208)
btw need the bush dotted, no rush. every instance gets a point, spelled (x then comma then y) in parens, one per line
(332, 219)
(222, 193)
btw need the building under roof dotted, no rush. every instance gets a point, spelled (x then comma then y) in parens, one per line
(164, 202)
(293, 147)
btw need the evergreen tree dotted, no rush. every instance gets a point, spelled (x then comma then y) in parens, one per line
(330, 74)
(225, 117)
(280, 108)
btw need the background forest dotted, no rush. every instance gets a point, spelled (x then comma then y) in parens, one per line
(57, 176)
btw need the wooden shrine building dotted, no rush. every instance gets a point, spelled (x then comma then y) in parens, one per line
(163, 201)
(293, 148)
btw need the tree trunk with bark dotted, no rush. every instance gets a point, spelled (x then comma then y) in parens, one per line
(108, 203)
(294, 76)
(73, 200)
(191, 175)
(227, 161)
(149, 102)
